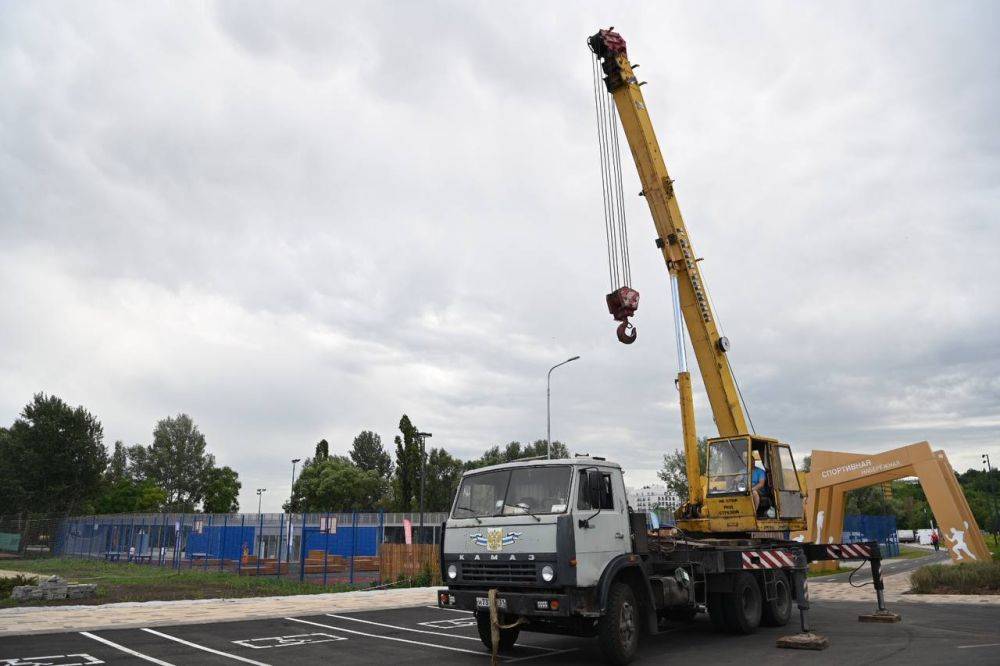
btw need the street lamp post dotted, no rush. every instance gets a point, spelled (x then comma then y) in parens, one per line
(291, 498)
(996, 510)
(260, 491)
(291, 494)
(548, 407)
(423, 458)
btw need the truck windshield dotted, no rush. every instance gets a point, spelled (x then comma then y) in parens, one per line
(534, 490)
(727, 467)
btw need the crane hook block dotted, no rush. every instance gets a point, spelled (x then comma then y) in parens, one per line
(622, 304)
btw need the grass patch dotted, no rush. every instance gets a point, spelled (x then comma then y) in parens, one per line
(136, 582)
(8, 584)
(993, 544)
(968, 578)
(911, 553)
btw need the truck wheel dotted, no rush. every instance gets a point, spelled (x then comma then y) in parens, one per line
(743, 608)
(777, 612)
(507, 636)
(618, 630)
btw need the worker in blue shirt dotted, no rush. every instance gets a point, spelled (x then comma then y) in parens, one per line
(758, 480)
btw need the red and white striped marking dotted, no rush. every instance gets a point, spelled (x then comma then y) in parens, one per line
(848, 551)
(768, 559)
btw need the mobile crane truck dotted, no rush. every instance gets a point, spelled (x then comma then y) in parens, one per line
(552, 546)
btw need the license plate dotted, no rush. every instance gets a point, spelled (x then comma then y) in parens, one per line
(484, 602)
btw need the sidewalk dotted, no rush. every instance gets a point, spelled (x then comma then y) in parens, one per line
(896, 591)
(53, 619)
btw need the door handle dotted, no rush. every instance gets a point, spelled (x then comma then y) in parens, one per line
(619, 535)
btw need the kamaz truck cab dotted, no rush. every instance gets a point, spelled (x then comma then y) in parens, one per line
(551, 537)
(544, 531)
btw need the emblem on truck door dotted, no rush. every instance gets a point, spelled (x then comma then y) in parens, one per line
(495, 539)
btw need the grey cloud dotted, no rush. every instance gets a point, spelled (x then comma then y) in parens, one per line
(294, 221)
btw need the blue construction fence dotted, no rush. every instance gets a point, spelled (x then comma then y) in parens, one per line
(873, 528)
(327, 547)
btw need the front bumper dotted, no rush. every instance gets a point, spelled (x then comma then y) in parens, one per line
(524, 604)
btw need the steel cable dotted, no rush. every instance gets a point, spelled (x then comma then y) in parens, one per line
(612, 190)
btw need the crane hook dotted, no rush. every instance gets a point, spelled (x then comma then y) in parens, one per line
(627, 333)
(622, 304)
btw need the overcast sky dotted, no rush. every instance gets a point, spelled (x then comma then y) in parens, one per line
(300, 220)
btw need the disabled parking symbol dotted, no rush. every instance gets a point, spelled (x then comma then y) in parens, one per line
(53, 660)
(288, 641)
(456, 623)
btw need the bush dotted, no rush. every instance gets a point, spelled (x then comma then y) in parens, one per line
(7, 585)
(970, 578)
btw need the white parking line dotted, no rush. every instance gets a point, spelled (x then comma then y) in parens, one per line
(424, 631)
(125, 649)
(453, 610)
(963, 647)
(206, 649)
(390, 638)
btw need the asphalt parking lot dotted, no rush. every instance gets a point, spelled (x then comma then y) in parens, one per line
(929, 634)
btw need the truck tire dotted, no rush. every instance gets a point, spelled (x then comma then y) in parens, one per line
(743, 608)
(507, 636)
(777, 612)
(618, 629)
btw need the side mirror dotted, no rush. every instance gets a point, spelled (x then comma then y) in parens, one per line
(595, 488)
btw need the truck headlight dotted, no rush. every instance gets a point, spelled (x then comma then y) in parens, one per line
(452, 571)
(548, 573)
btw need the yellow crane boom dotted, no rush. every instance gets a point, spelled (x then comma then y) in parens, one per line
(725, 504)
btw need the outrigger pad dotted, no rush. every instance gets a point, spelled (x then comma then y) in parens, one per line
(806, 641)
(880, 616)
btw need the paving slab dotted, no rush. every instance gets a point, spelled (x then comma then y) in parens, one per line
(50, 619)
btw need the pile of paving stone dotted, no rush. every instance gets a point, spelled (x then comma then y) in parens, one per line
(54, 587)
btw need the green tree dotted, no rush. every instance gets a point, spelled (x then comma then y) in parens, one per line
(52, 458)
(128, 496)
(870, 501)
(222, 490)
(176, 461)
(367, 453)
(540, 446)
(14, 494)
(406, 483)
(515, 451)
(674, 471)
(444, 472)
(492, 456)
(118, 464)
(322, 449)
(334, 484)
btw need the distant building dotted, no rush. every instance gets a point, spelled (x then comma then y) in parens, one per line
(653, 497)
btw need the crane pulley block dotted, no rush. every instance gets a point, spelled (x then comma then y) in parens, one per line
(622, 304)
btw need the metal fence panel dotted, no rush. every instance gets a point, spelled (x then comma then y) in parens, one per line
(321, 548)
(873, 528)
